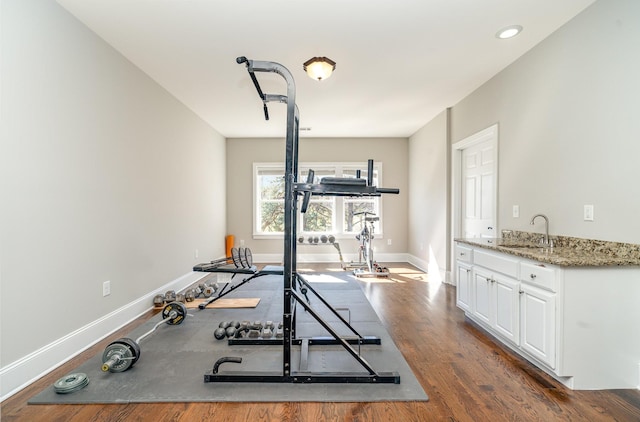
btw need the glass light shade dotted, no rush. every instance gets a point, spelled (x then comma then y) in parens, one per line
(319, 68)
(509, 32)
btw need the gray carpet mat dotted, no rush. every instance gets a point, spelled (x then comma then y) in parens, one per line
(174, 359)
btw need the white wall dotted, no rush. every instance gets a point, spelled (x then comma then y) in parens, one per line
(569, 132)
(428, 203)
(103, 176)
(391, 152)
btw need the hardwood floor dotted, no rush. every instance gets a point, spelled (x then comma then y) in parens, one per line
(467, 376)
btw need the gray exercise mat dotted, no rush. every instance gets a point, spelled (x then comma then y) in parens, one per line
(174, 359)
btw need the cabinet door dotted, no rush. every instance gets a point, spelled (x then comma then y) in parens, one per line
(482, 297)
(464, 287)
(538, 323)
(507, 315)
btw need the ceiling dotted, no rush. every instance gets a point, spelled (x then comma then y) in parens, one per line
(399, 63)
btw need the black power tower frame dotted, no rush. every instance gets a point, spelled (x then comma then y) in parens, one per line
(293, 189)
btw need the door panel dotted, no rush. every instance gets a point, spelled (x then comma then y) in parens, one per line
(478, 198)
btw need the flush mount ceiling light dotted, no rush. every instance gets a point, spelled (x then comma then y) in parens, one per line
(319, 68)
(509, 32)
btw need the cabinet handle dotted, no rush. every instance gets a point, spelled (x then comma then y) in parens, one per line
(468, 270)
(521, 291)
(492, 280)
(532, 276)
(461, 253)
(489, 228)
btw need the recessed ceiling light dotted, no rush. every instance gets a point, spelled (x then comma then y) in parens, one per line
(509, 32)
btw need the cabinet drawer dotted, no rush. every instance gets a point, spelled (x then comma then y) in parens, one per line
(496, 262)
(464, 254)
(538, 275)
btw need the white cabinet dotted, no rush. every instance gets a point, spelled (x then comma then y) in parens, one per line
(514, 299)
(495, 302)
(464, 258)
(538, 323)
(464, 289)
(575, 322)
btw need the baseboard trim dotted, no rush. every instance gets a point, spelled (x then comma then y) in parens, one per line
(328, 257)
(22, 372)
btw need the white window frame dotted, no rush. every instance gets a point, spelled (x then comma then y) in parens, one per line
(338, 210)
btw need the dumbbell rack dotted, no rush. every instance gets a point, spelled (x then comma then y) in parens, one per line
(293, 189)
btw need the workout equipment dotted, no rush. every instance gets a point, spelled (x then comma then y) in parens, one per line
(367, 266)
(123, 353)
(220, 333)
(170, 296)
(291, 279)
(158, 300)
(71, 383)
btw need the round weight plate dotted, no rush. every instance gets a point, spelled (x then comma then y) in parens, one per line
(243, 257)
(248, 257)
(331, 238)
(124, 354)
(235, 255)
(135, 347)
(323, 238)
(70, 383)
(181, 312)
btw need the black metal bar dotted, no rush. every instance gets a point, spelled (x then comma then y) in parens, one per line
(328, 305)
(313, 341)
(306, 377)
(341, 341)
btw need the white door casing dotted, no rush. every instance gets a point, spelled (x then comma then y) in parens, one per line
(483, 221)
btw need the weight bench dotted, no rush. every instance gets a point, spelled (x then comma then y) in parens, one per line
(231, 269)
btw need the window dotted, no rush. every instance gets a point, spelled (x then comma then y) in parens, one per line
(325, 214)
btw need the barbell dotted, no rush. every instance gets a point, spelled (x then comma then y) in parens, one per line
(123, 353)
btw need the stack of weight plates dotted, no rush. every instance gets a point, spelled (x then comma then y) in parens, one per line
(70, 383)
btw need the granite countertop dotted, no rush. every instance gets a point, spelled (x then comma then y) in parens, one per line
(568, 252)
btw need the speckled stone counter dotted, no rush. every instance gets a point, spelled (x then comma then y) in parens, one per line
(567, 251)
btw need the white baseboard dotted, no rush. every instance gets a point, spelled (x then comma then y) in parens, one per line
(417, 262)
(444, 275)
(19, 374)
(328, 257)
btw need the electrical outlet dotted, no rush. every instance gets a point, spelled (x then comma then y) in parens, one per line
(516, 211)
(588, 213)
(106, 288)
(196, 253)
(389, 242)
(242, 243)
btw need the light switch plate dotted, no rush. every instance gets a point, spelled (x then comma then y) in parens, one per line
(588, 213)
(516, 211)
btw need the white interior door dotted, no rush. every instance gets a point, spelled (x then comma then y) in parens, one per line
(478, 190)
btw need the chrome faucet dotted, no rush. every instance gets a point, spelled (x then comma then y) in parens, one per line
(545, 239)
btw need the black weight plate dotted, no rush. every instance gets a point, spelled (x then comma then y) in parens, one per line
(180, 309)
(135, 347)
(235, 255)
(243, 258)
(248, 257)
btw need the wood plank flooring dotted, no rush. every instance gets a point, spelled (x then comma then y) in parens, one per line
(467, 375)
